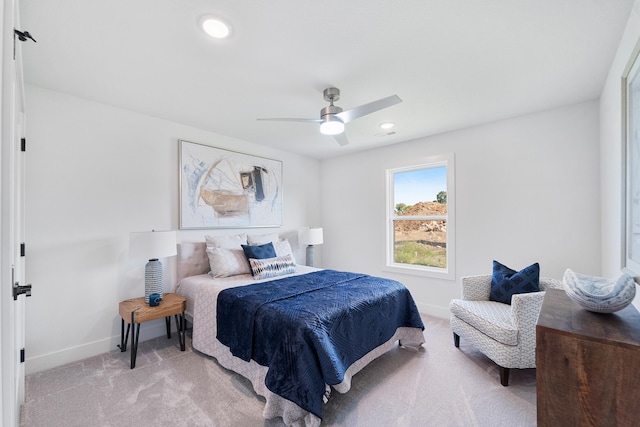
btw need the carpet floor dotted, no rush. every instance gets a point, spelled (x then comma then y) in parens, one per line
(439, 385)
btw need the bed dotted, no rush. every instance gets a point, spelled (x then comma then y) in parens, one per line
(203, 292)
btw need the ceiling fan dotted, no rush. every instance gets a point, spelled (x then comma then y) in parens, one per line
(333, 118)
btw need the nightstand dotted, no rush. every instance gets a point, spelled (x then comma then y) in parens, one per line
(135, 311)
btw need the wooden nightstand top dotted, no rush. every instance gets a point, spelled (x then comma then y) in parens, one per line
(562, 315)
(171, 304)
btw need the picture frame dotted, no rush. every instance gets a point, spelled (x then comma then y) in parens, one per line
(221, 188)
(631, 166)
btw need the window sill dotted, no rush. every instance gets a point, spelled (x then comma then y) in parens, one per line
(421, 271)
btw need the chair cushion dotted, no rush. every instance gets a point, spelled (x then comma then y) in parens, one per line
(489, 317)
(505, 282)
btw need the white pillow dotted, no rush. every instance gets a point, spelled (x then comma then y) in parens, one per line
(262, 239)
(283, 248)
(226, 242)
(227, 262)
(270, 267)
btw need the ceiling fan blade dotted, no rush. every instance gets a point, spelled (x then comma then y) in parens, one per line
(341, 138)
(369, 108)
(292, 120)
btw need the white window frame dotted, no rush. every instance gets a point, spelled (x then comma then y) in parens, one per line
(448, 273)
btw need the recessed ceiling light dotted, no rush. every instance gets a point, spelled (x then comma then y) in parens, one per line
(387, 125)
(215, 27)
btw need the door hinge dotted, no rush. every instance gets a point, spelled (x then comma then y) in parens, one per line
(23, 249)
(23, 144)
(23, 35)
(22, 355)
(19, 290)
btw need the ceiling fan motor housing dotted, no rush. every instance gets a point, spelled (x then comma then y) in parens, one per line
(331, 110)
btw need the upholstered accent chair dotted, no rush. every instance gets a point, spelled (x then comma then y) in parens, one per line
(505, 333)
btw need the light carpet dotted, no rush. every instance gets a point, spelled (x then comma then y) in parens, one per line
(436, 386)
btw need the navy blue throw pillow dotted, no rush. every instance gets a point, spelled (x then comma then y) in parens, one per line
(259, 252)
(505, 282)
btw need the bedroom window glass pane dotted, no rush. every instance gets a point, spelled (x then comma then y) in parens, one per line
(420, 217)
(420, 242)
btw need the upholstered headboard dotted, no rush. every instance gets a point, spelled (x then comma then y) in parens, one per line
(192, 260)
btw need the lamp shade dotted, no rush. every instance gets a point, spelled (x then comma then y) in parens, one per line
(152, 244)
(312, 236)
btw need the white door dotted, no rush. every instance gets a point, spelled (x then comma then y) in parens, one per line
(11, 223)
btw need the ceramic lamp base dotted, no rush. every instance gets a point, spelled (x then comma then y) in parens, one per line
(311, 251)
(152, 279)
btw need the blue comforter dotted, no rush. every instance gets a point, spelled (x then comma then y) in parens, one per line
(309, 329)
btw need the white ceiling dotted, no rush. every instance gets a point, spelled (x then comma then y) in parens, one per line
(455, 63)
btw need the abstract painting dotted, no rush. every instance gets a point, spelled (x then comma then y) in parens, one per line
(226, 189)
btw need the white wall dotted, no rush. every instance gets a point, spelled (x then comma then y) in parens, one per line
(611, 151)
(527, 190)
(94, 174)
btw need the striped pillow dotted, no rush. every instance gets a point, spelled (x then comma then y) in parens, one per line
(271, 267)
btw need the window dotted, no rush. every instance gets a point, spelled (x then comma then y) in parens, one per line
(420, 218)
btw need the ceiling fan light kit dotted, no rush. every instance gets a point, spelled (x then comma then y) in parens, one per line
(331, 124)
(333, 118)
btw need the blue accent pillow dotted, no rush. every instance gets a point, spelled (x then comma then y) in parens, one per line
(260, 251)
(505, 282)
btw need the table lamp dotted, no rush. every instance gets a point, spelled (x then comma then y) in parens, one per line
(152, 245)
(311, 236)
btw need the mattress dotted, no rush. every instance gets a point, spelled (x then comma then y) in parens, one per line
(202, 292)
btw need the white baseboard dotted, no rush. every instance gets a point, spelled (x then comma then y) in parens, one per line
(74, 354)
(434, 310)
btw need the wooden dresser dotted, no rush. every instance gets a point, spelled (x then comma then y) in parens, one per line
(588, 365)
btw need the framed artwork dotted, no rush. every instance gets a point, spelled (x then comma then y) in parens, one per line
(631, 166)
(225, 189)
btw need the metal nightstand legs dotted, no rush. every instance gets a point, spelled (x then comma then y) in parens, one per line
(181, 324)
(181, 327)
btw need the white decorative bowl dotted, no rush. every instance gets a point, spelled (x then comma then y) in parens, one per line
(599, 294)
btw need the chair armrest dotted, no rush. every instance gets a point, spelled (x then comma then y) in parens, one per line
(476, 288)
(525, 309)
